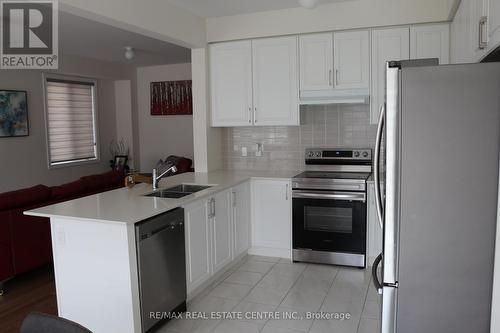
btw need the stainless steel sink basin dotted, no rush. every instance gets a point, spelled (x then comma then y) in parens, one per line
(167, 194)
(178, 191)
(188, 188)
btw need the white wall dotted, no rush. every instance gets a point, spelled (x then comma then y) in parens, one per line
(207, 140)
(160, 136)
(328, 17)
(155, 18)
(23, 160)
(123, 106)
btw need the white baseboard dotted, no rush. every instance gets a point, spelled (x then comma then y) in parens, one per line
(270, 252)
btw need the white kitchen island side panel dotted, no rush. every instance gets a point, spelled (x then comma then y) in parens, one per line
(96, 277)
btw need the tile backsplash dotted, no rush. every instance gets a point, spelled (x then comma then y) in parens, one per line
(283, 146)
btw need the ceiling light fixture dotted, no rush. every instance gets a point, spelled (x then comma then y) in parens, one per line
(309, 4)
(129, 53)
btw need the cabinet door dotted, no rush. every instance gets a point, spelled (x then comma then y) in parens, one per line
(351, 59)
(231, 83)
(271, 214)
(316, 62)
(387, 44)
(461, 36)
(275, 81)
(430, 41)
(493, 23)
(198, 244)
(222, 230)
(241, 218)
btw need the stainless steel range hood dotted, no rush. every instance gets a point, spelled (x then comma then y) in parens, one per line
(337, 96)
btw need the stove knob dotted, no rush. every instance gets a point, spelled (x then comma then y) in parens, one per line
(365, 154)
(356, 154)
(318, 154)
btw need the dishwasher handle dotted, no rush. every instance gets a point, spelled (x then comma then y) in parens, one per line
(167, 221)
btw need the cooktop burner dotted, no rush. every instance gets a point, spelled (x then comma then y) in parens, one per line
(333, 175)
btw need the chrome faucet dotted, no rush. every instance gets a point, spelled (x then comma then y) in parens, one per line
(157, 178)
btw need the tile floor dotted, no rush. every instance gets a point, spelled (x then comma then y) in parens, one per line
(273, 285)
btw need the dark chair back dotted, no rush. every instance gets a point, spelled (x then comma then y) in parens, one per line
(37, 322)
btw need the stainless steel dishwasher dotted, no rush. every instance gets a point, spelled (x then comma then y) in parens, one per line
(162, 267)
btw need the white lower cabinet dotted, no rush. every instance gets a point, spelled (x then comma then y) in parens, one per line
(375, 234)
(271, 218)
(216, 233)
(221, 219)
(241, 218)
(198, 243)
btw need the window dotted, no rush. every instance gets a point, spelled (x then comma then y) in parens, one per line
(71, 120)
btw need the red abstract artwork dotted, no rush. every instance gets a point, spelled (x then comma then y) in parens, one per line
(171, 98)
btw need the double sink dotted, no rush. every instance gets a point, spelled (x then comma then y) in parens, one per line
(178, 191)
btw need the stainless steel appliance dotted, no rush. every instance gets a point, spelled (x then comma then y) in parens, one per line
(439, 210)
(162, 266)
(329, 207)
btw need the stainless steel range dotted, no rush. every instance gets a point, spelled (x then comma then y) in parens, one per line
(329, 207)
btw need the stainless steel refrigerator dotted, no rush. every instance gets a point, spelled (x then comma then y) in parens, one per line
(439, 138)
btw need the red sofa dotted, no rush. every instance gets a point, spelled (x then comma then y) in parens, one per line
(25, 241)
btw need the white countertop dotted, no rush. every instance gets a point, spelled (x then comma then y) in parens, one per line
(129, 206)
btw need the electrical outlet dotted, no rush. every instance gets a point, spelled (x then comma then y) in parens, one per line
(236, 147)
(244, 151)
(258, 153)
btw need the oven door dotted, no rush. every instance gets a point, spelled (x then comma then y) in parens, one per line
(329, 221)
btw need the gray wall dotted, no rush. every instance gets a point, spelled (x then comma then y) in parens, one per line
(161, 136)
(321, 126)
(23, 160)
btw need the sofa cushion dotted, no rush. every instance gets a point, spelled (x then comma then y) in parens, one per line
(104, 180)
(24, 197)
(68, 190)
(184, 165)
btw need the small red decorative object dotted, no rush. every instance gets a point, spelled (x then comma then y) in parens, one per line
(171, 98)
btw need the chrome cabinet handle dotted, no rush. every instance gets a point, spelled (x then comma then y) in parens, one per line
(376, 281)
(249, 115)
(255, 115)
(209, 203)
(330, 74)
(376, 167)
(482, 23)
(286, 192)
(234, 199)
(336, 77)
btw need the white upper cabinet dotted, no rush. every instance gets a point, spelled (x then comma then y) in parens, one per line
(493, 24)
(461, 38)
(275, 81)
(231, 83)
(387, 44)
(316, 61)
(430, 41)
(351, 59)
(475, 30)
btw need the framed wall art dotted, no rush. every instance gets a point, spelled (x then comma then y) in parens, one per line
(171, 98)
(13, 113)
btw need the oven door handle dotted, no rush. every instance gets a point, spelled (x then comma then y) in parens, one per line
(358, 196)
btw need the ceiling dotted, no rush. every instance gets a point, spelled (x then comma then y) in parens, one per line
(214, 8)
(86, 38)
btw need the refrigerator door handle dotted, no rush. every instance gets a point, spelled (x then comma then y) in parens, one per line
(378, 144)
(376, 281)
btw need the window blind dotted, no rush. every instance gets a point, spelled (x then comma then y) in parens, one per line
(71, 121)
